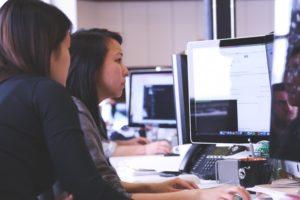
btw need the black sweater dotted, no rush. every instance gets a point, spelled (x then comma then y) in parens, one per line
(41, 140)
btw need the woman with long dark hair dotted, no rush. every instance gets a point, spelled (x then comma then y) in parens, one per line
(96, 73)
(91, 92)
(40, 135)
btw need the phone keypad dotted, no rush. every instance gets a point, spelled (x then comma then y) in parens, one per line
(205, 167)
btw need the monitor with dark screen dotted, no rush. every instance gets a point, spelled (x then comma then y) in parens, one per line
(215, 116)
(152, 99)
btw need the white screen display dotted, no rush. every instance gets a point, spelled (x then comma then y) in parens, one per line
(235, 73)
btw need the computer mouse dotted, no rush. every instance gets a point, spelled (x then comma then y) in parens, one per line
(234, 149)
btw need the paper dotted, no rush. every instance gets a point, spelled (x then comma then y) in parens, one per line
(286, 189)
(275, 195)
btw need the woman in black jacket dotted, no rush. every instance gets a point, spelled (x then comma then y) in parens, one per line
(40, 135)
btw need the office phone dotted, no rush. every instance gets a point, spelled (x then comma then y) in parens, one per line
(201, 158)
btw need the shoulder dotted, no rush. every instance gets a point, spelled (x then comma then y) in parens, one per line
(80, 105)
(35, 88)
(30, 81)
(46, 85)
(45, 89)
(51, 97)
(85, 117)
(82, 109)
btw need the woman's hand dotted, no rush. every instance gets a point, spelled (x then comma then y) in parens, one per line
(226, 192)
(160, 147)
(173, 185)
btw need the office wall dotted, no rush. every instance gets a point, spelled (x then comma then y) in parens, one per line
(254, 17)
(152, 31)
(69, 7)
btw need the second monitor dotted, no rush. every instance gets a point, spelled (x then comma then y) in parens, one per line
(152, 99)
(229, 90)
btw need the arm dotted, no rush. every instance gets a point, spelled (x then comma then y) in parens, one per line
(93, 141)
(160, 147)
(223, 192)
(125, 150)
(172, 185)
(65, 144)
(92, 138)
(186, 194)
(137, 140)
(136, 187)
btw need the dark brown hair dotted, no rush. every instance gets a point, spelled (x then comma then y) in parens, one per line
(88, 51)
(279, 87)
(29, 31)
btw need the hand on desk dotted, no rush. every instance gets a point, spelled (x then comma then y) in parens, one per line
(173, 185)
(226, 192)
(168, 190)
(159, 147)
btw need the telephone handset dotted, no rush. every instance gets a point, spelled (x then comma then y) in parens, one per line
(201, 158)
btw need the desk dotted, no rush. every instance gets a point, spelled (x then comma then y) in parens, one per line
(126, 168)
(129, 169)
(151, 162)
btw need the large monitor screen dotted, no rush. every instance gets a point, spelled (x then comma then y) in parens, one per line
(229, 90)
(152, 99)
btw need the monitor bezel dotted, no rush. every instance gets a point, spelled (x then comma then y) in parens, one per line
(130, 122)
(212, 139)
(179, 62)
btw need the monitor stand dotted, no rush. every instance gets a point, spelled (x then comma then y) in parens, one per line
(251, 147)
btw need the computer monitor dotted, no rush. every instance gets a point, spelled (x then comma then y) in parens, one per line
(127, 92)
(285, 126)
(229, 90)
(181, 97)
(151, 99)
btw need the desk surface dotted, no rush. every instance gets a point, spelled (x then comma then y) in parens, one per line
(146, 168)
(155, 162)
(129, 170)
